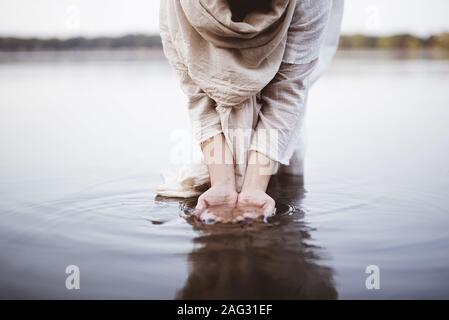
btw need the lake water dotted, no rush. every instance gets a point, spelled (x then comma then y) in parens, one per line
(83, 141)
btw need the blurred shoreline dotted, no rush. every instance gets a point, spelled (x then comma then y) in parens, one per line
(138, 47)
(155, 54)
(137, 41)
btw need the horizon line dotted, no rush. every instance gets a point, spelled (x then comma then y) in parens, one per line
(156, 34)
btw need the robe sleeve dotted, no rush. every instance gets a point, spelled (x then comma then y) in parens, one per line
(204, 118)
(283, 100)
(283, 103)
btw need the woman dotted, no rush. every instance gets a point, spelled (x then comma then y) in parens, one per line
(246, 67)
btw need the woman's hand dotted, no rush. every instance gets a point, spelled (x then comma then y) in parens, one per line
(221, 203)
(224, 204)
(217, 204)
(255, 204)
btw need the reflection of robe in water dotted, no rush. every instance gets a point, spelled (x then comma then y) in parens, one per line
(260, 261)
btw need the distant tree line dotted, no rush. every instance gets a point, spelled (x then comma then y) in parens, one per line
(80, 43)
(401, 41)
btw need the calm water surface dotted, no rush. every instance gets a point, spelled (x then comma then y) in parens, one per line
(83, 143)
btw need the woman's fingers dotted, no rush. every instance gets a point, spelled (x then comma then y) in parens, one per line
(214, 214)
(252, 215)
(208, 218)
(269, 208)
(251, 200)
(255, 205)
(238, 218)
(201, 204)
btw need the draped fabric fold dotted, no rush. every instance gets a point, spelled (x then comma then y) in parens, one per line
(230, 61)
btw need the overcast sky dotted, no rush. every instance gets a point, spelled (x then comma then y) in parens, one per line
(65, 18)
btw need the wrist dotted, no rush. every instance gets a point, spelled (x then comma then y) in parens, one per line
(258, 172)
(219, 160)
(254, 180)
(221, 181)
(252, 187)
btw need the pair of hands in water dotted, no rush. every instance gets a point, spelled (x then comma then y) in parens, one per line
(221, 203)
(224, 204)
